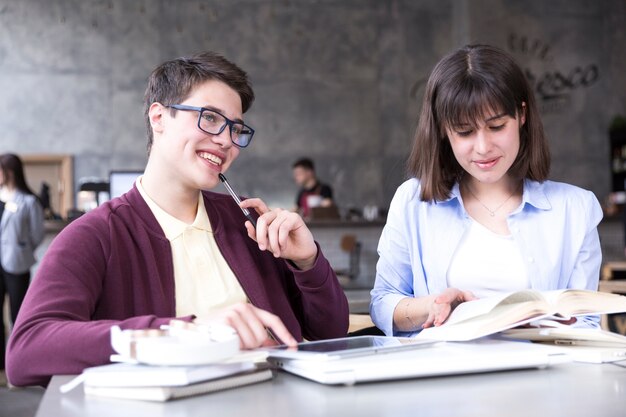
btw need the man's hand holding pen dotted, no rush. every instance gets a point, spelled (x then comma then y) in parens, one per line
(283, 233)
(279, 231)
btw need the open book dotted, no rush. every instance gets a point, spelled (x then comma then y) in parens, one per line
(478, 318)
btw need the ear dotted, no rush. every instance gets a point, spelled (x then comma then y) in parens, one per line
(522, 118)
(155, 115)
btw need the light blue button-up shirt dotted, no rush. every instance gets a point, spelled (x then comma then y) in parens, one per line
(555, 227)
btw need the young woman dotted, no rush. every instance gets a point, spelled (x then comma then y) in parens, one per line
(478, 216)
(21, 231)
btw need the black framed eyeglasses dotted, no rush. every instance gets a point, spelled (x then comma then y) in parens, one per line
(214, 123)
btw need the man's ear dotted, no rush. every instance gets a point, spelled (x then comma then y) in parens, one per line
(155, 115)
(522, 118)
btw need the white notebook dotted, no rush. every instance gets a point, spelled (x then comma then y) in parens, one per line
(129, 375)
(140, 375)
(170, 393)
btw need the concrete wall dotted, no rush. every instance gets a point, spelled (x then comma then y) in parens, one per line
(337, 80)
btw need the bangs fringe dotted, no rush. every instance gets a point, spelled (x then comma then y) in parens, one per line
(474, 101)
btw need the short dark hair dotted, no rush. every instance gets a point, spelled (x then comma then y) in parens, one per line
(462, 87)
(305, 163)
(173, 81)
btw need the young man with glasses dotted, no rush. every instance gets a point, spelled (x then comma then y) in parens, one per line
(168, 250)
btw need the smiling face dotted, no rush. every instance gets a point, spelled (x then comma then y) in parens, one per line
(188, 157)
(487, 150)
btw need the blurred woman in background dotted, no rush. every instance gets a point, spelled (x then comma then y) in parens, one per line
(21, 231)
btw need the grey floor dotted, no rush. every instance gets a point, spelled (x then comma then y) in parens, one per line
(21, 402)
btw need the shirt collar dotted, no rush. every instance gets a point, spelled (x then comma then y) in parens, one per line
(173, 227)
(533, 195)
(455, 195)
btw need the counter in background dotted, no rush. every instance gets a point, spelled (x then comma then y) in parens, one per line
(336, 238)
(328, 233)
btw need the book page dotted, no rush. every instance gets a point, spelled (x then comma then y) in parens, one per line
(579, 302)
(471, 309)
(501, 317)
(554, 296)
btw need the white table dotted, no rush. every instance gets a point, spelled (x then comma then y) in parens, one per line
(572, 389)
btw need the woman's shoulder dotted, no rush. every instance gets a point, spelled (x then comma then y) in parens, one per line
(568, 197)
(560, 191)
(407, 201)
(408, 190)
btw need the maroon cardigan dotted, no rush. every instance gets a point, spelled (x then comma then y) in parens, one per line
(114, 266)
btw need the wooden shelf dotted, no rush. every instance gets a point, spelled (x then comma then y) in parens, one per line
(56, 170)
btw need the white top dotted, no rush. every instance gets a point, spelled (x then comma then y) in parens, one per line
(203, 280)
(487, 263)
(6, 195)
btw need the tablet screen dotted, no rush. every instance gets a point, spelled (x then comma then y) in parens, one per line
(346, 343)
(346, 346)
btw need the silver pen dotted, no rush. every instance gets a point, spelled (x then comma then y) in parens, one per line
(233, 194)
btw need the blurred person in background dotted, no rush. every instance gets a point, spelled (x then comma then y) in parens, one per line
(312, 192)
(21, 231)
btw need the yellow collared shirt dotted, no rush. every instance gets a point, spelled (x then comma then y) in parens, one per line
(204, 281)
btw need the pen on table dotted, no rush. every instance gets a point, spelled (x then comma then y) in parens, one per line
(233, 194)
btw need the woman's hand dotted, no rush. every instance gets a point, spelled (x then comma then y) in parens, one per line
(253, 326)
(283, 233)
(444, 303)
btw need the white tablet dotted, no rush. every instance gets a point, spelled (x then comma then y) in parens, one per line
(345, 347)
(425, 360)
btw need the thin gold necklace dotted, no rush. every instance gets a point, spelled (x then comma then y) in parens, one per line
(492, 213)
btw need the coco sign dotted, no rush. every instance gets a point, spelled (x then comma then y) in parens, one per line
(553, 88)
